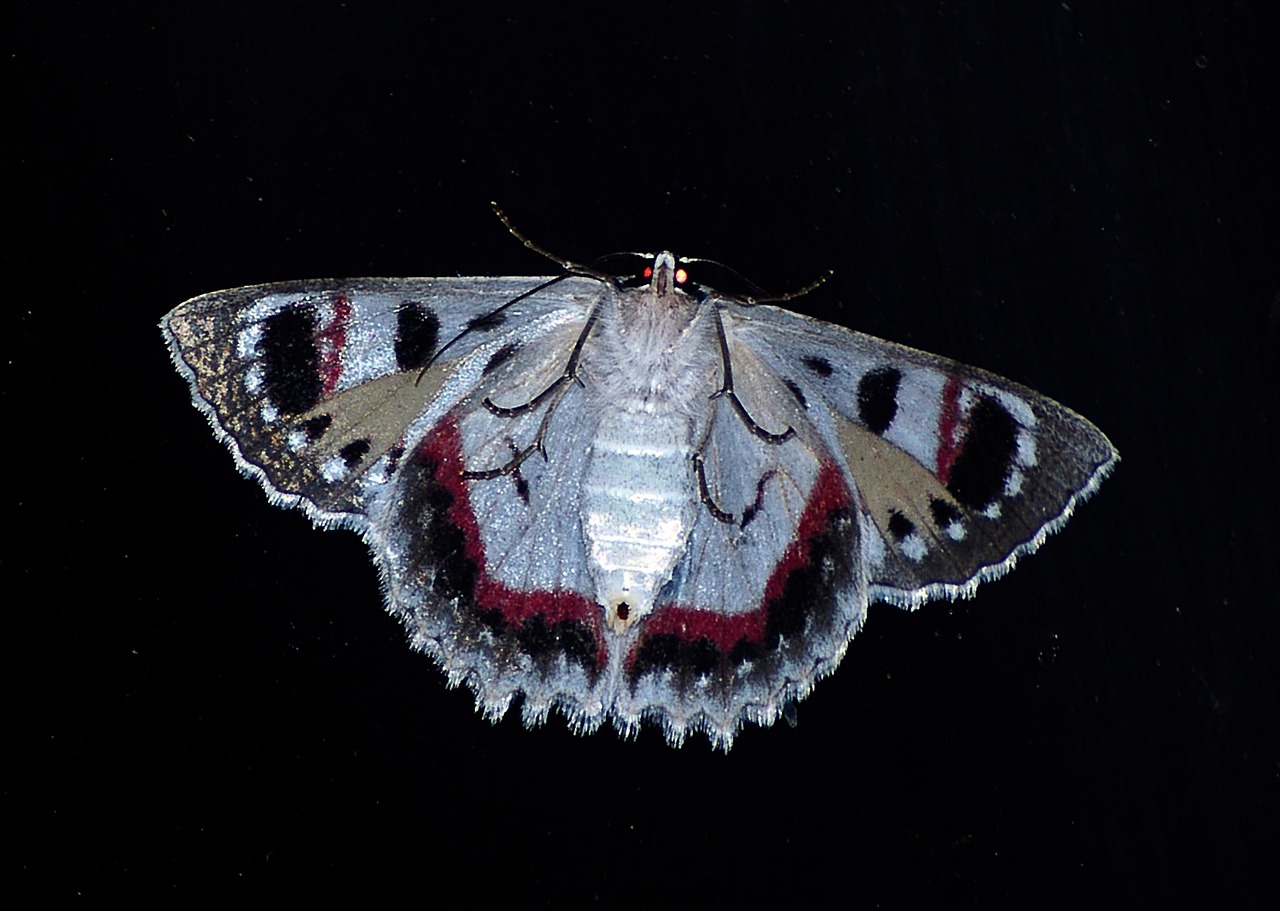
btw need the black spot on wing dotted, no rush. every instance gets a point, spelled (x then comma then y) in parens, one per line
(878, 398)
(545, 643)
(417, 334)
(487, 321)
(290, 361)
(982, 467)
(900, 526)
(745, 650)
(501, 356)
(437, 550)
(657, 652)
(353, 452)
(689, 659)
(819, 365)
(315, 427)
(795, 390)
(394, 455)
(701, 657)
(944, 514)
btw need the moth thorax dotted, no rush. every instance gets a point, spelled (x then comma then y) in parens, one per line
(638, 510)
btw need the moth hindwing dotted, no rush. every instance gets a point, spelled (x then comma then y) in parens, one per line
(629, 501)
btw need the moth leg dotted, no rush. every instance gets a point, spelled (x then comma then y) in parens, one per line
(511, 467)
(719, 514)
(570, 375)
(726, 390)
(533, 403)
(520, 455)
(705, 494)
(755, 506)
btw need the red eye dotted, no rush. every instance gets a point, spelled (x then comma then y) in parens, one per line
(648, 271)
(681, 276)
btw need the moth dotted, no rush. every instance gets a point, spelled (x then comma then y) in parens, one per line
(629, 501)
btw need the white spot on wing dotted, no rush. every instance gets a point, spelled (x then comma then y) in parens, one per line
(1026, 449)
(1014, 404)
(913, 547)
(334, 469)
(920, 396)
(247, 343)
(872, 543)
(253, 379)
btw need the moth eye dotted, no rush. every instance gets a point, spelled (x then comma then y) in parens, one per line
(682, 276)
(648, 272)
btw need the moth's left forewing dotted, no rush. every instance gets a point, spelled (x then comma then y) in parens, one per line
(318, 387)
(957, 470)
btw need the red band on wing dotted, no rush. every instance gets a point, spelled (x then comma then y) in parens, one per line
(443, 447)
(949, 428)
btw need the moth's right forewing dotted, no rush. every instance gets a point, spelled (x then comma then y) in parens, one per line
(958, 470)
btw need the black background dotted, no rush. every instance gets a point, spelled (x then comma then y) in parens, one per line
(205, 694)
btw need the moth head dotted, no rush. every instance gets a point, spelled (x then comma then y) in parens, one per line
(665, 275)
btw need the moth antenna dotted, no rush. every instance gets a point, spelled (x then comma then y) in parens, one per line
(792, 295)
(567, 264)
(728, 270)
(761, 296)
